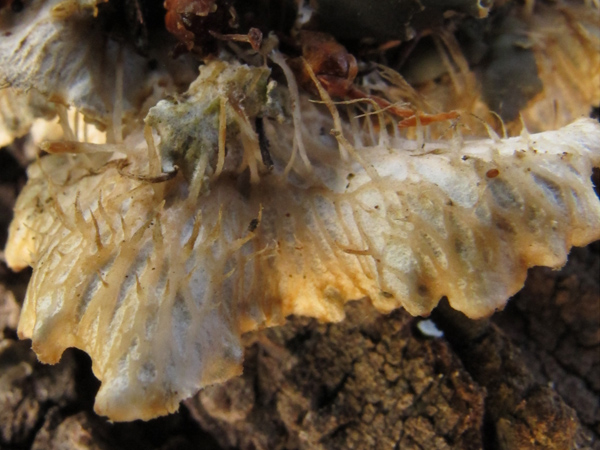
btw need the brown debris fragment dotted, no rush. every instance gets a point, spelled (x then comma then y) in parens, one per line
(195, 22)
(82, 431)
(9, 312)
(24, 397)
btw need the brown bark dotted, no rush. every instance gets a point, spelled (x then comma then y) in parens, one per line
(369, 382)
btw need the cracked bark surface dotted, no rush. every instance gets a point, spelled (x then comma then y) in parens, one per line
(529, 378)
(368, 382)
(555, 322)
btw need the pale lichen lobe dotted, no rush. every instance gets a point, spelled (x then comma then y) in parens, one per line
(255, 203)
(158, 281)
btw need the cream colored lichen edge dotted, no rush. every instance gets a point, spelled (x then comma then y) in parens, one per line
(157, 281)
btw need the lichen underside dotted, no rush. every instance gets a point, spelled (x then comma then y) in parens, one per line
(157, 281)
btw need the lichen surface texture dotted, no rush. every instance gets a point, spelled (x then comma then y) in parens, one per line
(219, 200)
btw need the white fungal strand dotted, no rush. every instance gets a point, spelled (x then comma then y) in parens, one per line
(157, 285)
(298, 144)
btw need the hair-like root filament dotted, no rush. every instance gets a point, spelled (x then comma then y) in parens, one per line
(249, 138)
(298, 145)
(222, 135)
(76, 147)
(154, 166)
(160, 178)
(63, 120)
(198, 179)
(491, 133)
(344, 146)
